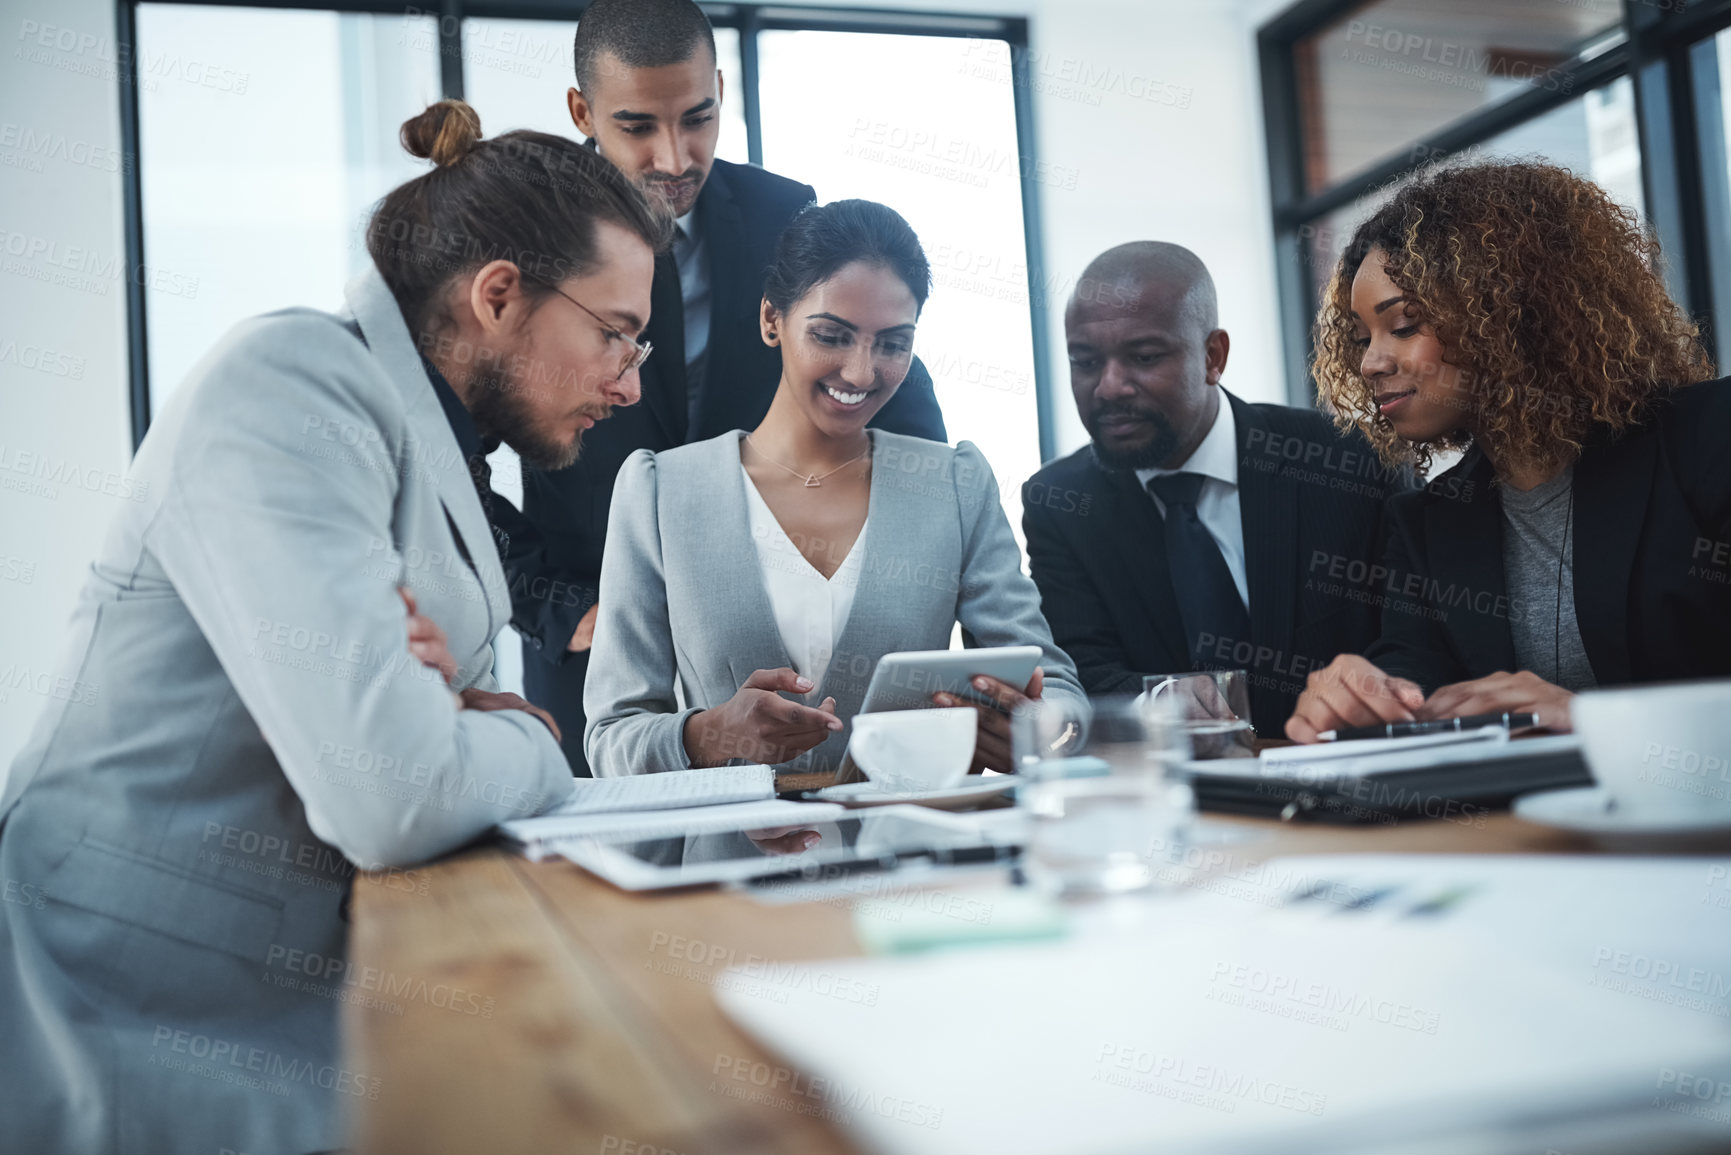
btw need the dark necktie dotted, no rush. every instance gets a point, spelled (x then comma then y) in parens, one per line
(667, 307)
(1215, 619)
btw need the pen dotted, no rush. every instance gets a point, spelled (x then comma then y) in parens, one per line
(1440, 726)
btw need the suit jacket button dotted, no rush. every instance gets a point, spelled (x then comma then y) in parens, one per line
(536, 642)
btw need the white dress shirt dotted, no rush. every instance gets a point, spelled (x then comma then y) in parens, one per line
(1216, 459)
(810, 610)
(691, 256)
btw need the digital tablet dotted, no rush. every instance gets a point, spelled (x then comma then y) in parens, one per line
(907, 681)
(882, 839)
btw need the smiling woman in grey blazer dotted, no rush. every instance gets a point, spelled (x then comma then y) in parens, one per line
(252, 719)
(788, 560)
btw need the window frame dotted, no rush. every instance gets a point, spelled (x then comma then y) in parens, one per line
(1675, 116)
(747, 19)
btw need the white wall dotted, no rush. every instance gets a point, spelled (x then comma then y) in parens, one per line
(1143, 168)
(64, 433)
(1148, 170)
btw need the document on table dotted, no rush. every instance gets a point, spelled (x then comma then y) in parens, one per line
(668, 801)
(1571, 912)
(1232, 1024)
(539, 842)
(667, 790)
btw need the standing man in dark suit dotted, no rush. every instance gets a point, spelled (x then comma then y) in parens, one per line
(649, 97)
(1196, 531)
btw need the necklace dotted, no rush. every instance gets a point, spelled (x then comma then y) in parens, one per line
(811, 480)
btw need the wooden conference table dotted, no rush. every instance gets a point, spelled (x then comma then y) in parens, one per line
(560, 1014)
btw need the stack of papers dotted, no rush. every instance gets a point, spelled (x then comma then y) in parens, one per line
(1551, 999)
(661, 805)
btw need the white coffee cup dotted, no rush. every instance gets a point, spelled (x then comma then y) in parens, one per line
(1663, 752)
(907, 750)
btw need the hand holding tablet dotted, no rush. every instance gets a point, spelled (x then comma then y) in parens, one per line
(993, 681)
(909, 680)
(992, 748)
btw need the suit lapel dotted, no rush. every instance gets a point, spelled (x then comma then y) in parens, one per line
(880, 585)
(1613, 480)
(1465, 547)
(1268, 511)
(432, 448)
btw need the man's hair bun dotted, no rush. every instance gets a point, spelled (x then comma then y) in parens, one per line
(444, 133)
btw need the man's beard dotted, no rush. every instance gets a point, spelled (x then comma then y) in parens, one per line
(690, 182)
(1150, 456)
(500, 411)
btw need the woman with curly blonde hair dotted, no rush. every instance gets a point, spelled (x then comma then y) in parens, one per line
(1514, 311)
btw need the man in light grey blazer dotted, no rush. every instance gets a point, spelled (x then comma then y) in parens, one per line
(251, 726)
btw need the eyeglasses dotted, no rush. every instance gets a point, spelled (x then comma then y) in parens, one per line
(634, 357)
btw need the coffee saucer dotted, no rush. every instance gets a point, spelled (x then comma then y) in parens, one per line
(966, 793)
(1590, 810)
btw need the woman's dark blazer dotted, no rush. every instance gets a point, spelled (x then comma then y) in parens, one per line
(1651, 545)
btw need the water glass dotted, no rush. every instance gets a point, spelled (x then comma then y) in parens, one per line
(1106, 815)
(1213, 709)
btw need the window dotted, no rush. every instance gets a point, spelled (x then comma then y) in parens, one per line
(956, 177)
(1358, 94)
(255, 189)
(1711, 64)
(260, 202)
(1594, 136)
(944, 155)
(1384, 75)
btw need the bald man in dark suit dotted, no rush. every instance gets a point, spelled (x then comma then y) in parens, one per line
(1196, 531)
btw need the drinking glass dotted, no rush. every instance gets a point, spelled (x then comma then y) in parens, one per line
(1213, 709)
(1106, 815)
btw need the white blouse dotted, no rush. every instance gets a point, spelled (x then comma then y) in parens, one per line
(810, 610)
